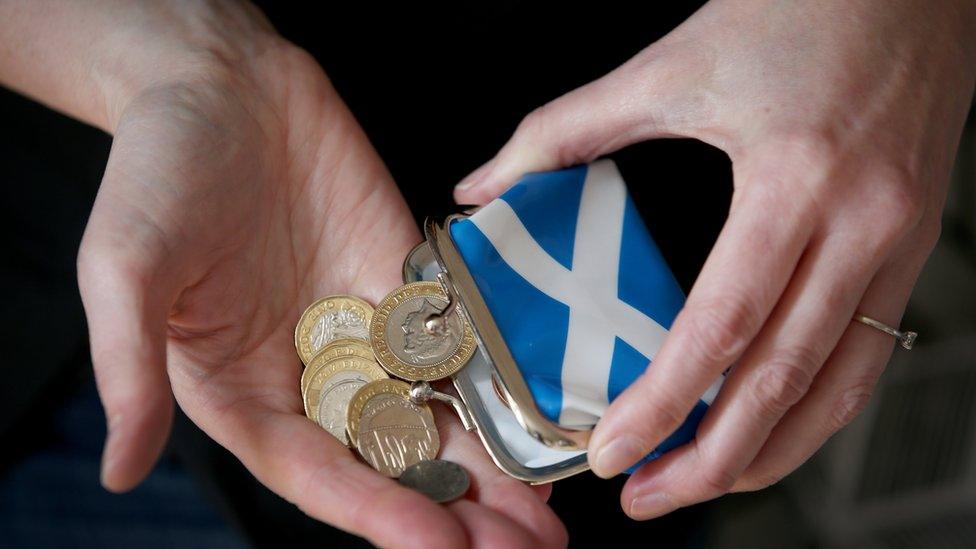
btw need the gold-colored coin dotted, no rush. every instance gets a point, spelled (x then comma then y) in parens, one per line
(389, 431)
(339, 378)
(401, 342)
(312, 382)
(331, 318)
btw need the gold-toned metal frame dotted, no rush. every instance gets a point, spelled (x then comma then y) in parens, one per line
(459, 284)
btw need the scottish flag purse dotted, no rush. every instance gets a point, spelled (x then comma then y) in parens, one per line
(569, 300)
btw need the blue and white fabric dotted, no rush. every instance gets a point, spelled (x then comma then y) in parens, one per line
(577, 287)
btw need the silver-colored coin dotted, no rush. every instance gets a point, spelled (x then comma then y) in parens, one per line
(334, 401)
(440, 480)
(411, 343)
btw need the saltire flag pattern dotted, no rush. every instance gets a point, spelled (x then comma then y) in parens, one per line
(577, 288)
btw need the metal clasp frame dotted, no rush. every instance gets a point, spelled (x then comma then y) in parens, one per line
(520, 439)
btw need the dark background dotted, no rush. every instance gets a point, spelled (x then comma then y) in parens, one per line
(438, 91)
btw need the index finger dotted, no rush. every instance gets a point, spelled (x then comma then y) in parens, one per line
(742, 280)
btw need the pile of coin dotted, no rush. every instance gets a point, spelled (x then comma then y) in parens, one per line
(351, 350)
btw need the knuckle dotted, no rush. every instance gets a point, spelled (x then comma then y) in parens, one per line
(902, 208)
(545, 127)
(759, 481)
(798, 209)
(720, 329)
(813, 147)
(851, 404)
(574, 150)
(89, 258)
(664, 412)
(105, 265)
(809, 154)
(718, 479)
(534, 124)
(784, 380)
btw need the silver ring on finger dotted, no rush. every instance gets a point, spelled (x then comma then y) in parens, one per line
(906, 338)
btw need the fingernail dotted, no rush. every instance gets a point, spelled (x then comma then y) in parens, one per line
(108, 461)
(617, 455)
(651, 505)
(109, 451)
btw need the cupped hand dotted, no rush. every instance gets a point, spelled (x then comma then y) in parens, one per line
(233, 197)
(841, 119)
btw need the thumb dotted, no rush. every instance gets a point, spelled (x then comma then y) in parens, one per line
(637, 101)
(127, 311)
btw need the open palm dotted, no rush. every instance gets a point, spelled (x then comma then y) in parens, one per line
(232, 199)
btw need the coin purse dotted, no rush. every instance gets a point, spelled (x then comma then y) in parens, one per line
(569, 299)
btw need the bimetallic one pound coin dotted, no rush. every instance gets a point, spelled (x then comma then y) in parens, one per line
(440, 480)
(341, 378)
(316, 373)
(402, 344)
(331, 318)
(390, 432)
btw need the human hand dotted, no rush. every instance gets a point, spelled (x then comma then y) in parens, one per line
(238, 190)
(841, 119)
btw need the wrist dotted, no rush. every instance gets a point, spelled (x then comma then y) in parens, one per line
(163, 46)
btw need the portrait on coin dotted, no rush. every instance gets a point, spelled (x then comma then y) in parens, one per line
(421, 346)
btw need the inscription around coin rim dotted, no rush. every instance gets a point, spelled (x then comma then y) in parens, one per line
(390, 387)
(368, 367)
(326, 363)
(317, 309)
(336, 349)
(392, 363)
